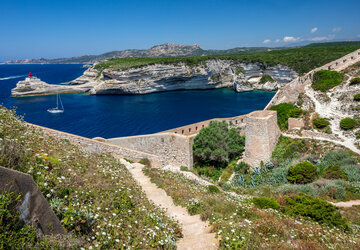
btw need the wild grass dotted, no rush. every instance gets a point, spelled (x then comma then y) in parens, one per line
(241, 225)
(93, 195)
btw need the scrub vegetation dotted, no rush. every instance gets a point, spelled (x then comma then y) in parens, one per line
(95, 198)
(301, 59)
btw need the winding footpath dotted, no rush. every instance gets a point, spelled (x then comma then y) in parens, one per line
(196, 233)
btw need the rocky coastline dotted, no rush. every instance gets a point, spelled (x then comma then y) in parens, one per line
(211, 74)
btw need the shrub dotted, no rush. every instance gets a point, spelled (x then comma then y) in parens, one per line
(320, 123)
(284, 112)
(145, 161)
(218, 144)
(296, 189)
(357, 97)
(208, 171)
(302, 173)
(315, 209)
(264, 202)
(213, 189)
(13, 233)
(347, 123)
(326, 79)
(339, 157)
(193, 207)
(334, 191)
(334, 172)
(266, 78)
(242, 168)
(352, 172)
(355, 81)
(288, 148)
(182, 168)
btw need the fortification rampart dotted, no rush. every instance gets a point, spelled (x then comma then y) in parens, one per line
(193, 129)
(100, 147)
(172, 148)
(291, 91)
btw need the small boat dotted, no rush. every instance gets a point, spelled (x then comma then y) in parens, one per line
(57, 109)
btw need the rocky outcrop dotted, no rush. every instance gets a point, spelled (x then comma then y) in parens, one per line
(32, 86)
(211, 74)
(208, 75)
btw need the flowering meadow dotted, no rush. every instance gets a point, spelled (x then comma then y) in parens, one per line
(240, 224)
(94, 196)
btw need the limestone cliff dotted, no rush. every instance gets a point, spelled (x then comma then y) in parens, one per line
(210, 74)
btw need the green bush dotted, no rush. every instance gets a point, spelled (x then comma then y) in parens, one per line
(339, 157)
(264, 202)
(182, 168)
(242, 168)
(208, 171)
(334, 172)
(302, 173)
(326, 79)
(355, 81)
(320, 123)
(357, 97)
(266, 78)
(213, 189)
(347, 123)
(315, 209)
(145, 161)
(218, 144)
(352, 172)
(193, 207)
(288, 148)
(284, 112)
(13, 233)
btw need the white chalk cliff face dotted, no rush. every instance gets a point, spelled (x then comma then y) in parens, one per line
(166, 77)
(210, 74)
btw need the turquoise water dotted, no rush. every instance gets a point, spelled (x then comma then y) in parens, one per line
(114, 115)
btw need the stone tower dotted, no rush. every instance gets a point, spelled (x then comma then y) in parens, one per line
(262, 133)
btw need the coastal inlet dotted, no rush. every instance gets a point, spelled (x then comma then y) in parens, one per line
(111, 116)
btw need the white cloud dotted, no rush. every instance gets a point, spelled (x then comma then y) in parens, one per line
(322, 38)
(267, 41)
(313, 30)
(277, 40)
(336, 29)
(290, 39)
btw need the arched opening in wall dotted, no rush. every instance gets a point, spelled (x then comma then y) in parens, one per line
(336, 63)
(182, 132)
(203, 125)
(236, 121)
(358, 53)
(352, 58)
(189, 130)
(196, 128)
(344, 60)
(242, 120)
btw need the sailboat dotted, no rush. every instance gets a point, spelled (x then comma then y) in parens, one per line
(57, 109)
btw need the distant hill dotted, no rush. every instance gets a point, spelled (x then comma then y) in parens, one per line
(167, 50)
(164, 50)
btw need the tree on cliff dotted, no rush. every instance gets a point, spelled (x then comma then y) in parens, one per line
(218, 144)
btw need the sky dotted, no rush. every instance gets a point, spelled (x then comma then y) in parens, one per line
(53, 28)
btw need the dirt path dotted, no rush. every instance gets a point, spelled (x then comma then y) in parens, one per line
(196, 232)
(347, 203)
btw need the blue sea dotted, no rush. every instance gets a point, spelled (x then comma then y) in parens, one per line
(111, 116)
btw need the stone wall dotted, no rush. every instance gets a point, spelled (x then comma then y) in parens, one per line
(171, 148)
(101, 147)
(262, 133)
(34, 208)
(193, 129)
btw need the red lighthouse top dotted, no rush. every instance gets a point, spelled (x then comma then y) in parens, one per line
(30, 75)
